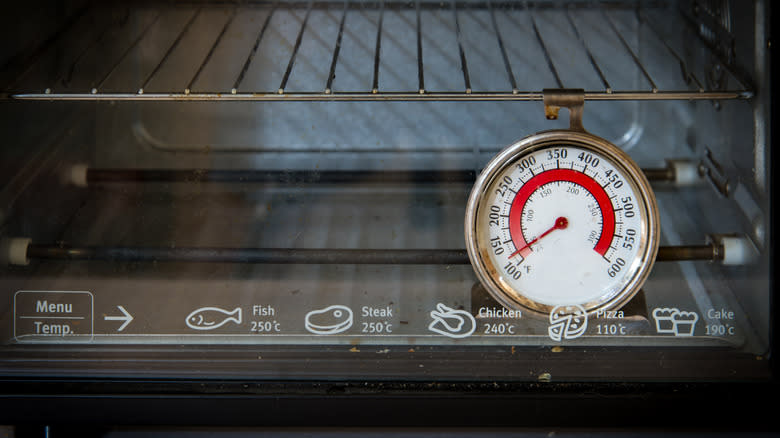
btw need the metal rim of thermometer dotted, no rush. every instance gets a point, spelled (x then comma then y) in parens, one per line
(562, 218)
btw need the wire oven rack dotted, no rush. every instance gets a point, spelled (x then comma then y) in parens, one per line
(129, 53)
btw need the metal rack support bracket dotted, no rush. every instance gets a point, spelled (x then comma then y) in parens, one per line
(571, 98)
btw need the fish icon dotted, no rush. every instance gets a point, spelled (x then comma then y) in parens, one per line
(330, 320)
(210, 318)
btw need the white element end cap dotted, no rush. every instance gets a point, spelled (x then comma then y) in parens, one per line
(78, 175)
(686, 172)
(737, 250)
(13, 251)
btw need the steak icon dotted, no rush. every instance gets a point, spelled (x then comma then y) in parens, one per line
(330, 320)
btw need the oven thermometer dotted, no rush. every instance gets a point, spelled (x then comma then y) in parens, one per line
(562, 218)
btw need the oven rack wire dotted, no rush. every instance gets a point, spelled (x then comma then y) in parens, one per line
(516, 87)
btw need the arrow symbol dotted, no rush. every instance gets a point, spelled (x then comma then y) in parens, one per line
(127, 318)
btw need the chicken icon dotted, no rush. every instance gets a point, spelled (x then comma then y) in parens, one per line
(452, 323)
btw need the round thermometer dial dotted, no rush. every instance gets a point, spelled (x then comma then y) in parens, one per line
(562, 218)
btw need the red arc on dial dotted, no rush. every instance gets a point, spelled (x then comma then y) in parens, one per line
(566, 175)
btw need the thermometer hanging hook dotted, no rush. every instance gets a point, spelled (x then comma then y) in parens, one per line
(571, 98)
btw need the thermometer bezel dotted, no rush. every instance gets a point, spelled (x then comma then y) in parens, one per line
(648, 239)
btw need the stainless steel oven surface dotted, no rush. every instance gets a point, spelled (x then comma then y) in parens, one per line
(374, 201)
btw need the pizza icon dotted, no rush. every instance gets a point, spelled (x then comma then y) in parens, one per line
(567, 322)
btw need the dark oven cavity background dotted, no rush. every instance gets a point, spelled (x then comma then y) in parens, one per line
(367, 122)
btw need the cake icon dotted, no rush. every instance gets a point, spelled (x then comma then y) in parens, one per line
(664, 319)
(684, 323)
(674, 321)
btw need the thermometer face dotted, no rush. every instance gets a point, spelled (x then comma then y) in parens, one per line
(562, 218)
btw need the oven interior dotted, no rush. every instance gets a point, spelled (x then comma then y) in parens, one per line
(284, 157)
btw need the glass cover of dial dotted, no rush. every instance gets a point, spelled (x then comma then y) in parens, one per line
(562, 225)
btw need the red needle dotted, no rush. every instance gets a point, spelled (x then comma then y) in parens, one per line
(560, 224)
